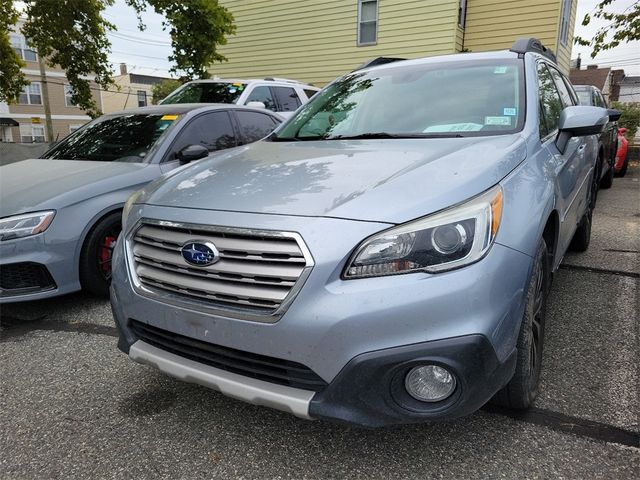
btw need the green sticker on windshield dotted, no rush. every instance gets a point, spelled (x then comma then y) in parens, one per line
(500, 70)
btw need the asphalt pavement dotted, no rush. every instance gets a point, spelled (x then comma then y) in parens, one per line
(72, 406)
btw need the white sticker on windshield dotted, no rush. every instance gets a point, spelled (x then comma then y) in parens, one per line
(512, 112)
(502, 121)
(454, 127)
(500, 70)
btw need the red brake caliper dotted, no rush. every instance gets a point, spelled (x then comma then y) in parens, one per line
(105, 253)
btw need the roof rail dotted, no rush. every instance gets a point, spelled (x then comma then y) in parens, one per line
(524, 45)
(377, 61)
(277, 79)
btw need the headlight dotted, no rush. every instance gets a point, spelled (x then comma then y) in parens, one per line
(25, 225)
(446, 240)
(128, 205)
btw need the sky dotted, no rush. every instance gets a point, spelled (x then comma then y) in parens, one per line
(146, 52)
(626, 56)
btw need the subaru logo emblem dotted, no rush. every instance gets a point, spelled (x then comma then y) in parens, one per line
(200, 254)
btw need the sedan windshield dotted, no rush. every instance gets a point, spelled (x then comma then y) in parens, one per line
(409, 101)
(124, 138)
(207, 92)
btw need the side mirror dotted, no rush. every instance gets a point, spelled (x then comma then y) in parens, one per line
(579, 121)
(614, 115)
(191, 153)
(256, 105)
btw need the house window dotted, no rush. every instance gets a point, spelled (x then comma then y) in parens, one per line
(31, 95)
(68, 92)
(30, 133)
(142, 98)
(565, 21)
(462, 13)
(367, 22)
(19, 44)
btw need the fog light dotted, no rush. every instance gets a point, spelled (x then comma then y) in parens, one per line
(430, 383)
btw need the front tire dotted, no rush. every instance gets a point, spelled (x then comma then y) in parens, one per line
(95, 257)
(521, 391)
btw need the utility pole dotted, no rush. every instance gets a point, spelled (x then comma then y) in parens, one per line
(45, 99)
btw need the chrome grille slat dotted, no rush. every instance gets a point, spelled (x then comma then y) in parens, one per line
(228, 253)
(238, 267)
(222, 243)
(216, 287)
(214, 275)
(257, 270)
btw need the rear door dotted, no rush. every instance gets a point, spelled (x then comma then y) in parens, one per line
(253, 125)
(571, 168)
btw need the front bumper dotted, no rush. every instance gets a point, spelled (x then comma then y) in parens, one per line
(359, 336)
(56, 259)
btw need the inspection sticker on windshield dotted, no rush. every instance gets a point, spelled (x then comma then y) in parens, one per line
(502, 121)
(512, 112)
(500, 70)
(169, 117)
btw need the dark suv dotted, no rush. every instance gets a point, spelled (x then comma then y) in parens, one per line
(592, 96)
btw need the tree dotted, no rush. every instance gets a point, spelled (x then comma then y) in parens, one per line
(624, 27)
(164, 88)
(630, 118)
(73, 34)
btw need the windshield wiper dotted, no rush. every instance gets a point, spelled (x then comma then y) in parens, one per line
(383, 135)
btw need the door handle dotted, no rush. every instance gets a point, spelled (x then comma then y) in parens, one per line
(581, 147)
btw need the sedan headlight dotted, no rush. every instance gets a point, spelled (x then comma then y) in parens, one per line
(25, 225)
(446, 240)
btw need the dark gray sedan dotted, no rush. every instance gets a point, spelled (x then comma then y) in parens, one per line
(60, 215)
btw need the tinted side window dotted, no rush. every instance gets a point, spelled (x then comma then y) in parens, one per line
(567, 99)
(262, 94)
(212, 130)
(287, 98)
(254, 125)
(549, 100)
(310, 93)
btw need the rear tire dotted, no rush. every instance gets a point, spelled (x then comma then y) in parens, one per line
(522, 389)
(95, 257)
(607, 180)
(582, 236)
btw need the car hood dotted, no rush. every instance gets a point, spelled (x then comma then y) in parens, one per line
(31, 185)
(373, 180)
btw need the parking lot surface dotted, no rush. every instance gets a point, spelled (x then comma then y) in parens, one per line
(73, 406)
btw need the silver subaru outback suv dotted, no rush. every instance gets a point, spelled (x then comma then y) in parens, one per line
(384, 257)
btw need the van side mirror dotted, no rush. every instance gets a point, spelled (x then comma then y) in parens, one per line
(579, 121)
(256, 105)
(191, 153)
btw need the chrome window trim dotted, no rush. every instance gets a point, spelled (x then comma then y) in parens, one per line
(202, 306)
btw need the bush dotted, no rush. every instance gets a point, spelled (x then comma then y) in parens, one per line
(630, 118)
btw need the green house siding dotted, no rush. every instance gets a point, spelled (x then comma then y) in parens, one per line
(495, 24)
(315, 41)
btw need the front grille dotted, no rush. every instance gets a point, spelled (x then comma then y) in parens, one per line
(25, 277)
(256, 270)
(261, 367)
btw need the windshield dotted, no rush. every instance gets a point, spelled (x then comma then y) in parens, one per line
(125, 138)
(584, 97)
(429, 100)
(207, 92)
